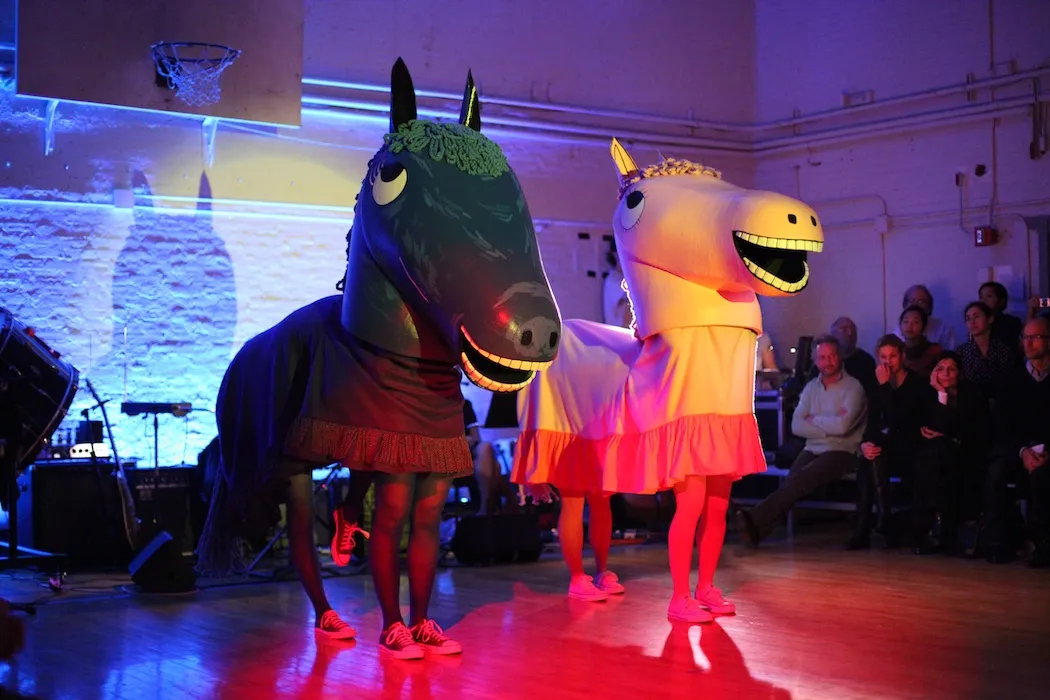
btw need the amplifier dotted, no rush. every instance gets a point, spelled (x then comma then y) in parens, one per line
(497, 539)
(73, 507)
(769, 413)
(167, 499)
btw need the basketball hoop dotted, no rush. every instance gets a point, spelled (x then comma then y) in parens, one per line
(192, 69)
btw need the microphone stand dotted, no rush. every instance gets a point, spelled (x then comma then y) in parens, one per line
(131, 521)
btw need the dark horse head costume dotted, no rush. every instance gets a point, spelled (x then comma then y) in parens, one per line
(443, 275)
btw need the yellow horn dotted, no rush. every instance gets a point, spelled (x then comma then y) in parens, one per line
(624, 163)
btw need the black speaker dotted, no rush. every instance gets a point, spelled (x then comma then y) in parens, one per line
(161, 568)
(497, 539)
(72, 507)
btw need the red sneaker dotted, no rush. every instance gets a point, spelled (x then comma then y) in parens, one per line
(343, 539)
(333, 627)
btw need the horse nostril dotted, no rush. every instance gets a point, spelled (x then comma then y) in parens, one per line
(526, 338)
(554, 338)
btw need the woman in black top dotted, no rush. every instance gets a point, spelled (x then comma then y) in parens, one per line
(985, 359)
(890, 440)
(1006, 328)
(954, 442)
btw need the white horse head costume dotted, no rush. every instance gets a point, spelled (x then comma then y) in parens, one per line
(637, 413)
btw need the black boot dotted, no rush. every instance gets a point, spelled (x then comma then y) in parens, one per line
(882, 495)
(861, 538)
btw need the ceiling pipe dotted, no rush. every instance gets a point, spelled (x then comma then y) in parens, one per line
(899, 100)
(954, 115)
(722, 145)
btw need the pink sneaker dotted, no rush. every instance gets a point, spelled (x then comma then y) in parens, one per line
(343, 538)
(685, 609)
(609, 582)
(712, 600)
(333, 627)
(583, 588)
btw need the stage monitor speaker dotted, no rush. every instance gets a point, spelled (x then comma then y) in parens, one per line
(161, 568)
(497, 539)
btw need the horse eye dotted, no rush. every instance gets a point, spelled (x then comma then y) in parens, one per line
(635, 204)
(390, 171)
(391, 182)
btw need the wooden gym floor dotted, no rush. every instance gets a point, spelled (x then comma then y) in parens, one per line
(813, 622)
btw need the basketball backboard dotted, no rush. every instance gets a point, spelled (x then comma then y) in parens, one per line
(100, 52)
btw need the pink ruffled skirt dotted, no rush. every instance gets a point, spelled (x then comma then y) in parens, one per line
(624, 416)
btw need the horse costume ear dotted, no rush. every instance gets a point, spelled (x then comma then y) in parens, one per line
(624, 163)
(402, 96)
(470, 112)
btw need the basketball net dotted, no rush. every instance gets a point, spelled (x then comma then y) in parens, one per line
(193, 70)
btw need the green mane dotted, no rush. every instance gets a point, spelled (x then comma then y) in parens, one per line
(455, 144)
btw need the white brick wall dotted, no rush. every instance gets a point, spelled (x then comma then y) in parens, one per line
(196, 285)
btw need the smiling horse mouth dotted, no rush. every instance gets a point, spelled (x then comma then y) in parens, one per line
(779, 262)
(493, 372)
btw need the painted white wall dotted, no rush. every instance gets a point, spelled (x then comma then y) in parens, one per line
(808, 58)
(191, 286)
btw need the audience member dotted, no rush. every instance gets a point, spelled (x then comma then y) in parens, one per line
(1022, 440)
(936, 331)
(831, 416)
(890, 439)
(919, 352)
(616, 306)
(857, 363)
(950, 458)
(487, 472)
(986, 360)
(765, 357)
(1005, 328)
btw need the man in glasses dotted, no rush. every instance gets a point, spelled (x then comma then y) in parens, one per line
(1022, 439)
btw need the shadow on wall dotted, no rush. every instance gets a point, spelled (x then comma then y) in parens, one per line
(174, 297)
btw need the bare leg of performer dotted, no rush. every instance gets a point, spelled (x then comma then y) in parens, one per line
(348, 516)
(709, 540)
(397, 495)
(600, 535)
(570, 536)
(690, 498)
(303, 553)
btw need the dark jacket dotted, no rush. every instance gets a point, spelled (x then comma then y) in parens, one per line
(964, 419)
(1022, 408)
(895, 415)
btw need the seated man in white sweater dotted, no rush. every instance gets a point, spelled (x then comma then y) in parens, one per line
(831, 415)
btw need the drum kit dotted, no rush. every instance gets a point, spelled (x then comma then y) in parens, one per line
(36, 389)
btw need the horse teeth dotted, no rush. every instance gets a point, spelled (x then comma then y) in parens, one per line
(774, 281)
(490, 384)
(781, 243)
